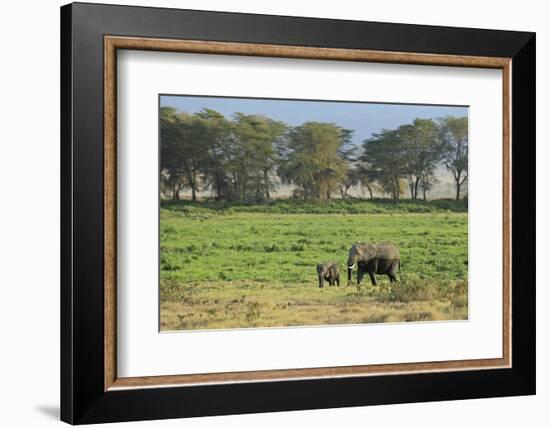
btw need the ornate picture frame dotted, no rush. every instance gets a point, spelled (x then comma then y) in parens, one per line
(91, 389)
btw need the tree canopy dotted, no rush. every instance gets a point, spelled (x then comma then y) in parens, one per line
(312, 159)
(247, 156)
(454, 135)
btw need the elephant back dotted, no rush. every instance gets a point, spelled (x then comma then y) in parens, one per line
(387, 250)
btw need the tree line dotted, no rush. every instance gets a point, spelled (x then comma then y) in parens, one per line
(245, 157)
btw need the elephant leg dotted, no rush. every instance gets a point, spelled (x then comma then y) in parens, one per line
(338, 281)
(360, 274)
(393, 272)
(373, 278)
(330, 282)
(320, 281)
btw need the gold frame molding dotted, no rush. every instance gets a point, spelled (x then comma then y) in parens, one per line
(113, 43)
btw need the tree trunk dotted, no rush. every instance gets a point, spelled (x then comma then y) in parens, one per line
(266, 183)
(370, 191)
(416, 187)
(218, 186)
(397, 189)
(236, 186)
(321, 191)
(176, 192)
(193, 186)
(458, 189)
(345, 193)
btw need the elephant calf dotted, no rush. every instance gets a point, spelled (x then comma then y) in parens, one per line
(329, 271)
(381, 259)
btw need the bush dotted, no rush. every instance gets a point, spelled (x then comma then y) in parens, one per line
(451, 205)
(206, 208)
(411, 289)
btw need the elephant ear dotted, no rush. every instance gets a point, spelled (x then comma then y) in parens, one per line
(375, 250)
(370, 252)
(360, 249)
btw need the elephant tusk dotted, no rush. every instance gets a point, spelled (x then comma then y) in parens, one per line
(352, 266)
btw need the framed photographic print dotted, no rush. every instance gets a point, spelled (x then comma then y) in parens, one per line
(265, 213)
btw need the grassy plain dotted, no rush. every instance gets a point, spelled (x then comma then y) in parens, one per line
(235, 266)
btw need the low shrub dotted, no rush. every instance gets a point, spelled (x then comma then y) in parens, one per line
(206, 208)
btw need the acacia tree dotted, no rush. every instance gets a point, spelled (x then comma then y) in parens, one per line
(313, 160)
(257, 139)
(173, 148)
(384, 161)
(195, 134)
(454, 135)
(190, 146)
(214, 142)
(422, 152)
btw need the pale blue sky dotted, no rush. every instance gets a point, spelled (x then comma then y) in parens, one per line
(362, 118)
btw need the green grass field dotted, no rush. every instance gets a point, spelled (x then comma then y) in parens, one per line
(236, 266)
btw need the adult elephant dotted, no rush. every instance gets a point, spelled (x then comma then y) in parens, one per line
(381, 259)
